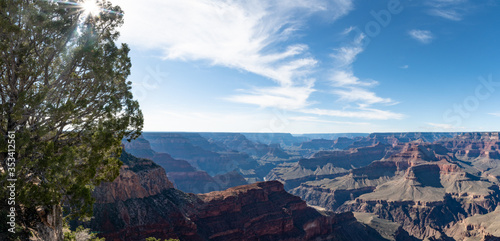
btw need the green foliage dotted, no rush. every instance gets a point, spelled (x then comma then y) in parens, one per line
(63, 90)
(155, 239)
(81, 234)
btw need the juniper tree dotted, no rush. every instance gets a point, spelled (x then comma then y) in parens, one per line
(64, 94)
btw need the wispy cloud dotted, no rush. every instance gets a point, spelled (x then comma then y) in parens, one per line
(348, 86)
(352, 90)
(250, 36)
(235, 34)
(448, 14)
(284, 97)
(449, 9)
(495, 114)
(423, 36)
(404, 67)
(356, 94)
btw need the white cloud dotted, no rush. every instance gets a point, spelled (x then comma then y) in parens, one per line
(249, 36)
(448, 14)
(235, 34)
(423, 36)
(495, 114)
(351, 89)
(346, 55)
(449, 9)
(283, 97)
(404, 67)
(348, 30)
(346, 78)
(355, 94)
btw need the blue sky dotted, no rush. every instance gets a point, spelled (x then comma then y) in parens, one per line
(315, 66)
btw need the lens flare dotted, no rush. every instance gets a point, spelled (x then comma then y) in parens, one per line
(90, 7)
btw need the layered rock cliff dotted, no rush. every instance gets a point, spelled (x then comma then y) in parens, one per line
(184, 176)
(265, 211)
(422, 186)
(477, 228)
(327, 164)
(401, 138)
(138, 178)
(433, 192)
(480, 150)
(134, 210)
(324, 144)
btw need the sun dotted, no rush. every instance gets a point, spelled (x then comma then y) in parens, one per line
(91, 7)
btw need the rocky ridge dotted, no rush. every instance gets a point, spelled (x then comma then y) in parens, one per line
(426, 182)
(259, 211)
(423, 186)
(184, 176)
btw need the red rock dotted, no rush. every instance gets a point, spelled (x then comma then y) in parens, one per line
(138, 178)
(259, 211)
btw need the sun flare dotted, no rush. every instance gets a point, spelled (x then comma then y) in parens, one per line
(91, 7)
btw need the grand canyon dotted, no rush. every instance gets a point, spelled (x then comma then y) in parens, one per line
(224, 120)
(251, 186)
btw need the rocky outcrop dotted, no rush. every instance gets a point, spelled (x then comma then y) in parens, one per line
(283, 139)
(219, 154)
(265, 211)
(420, 185)
(194, 182)
(401, 138)
(346, 159)
(318, 144)
(343, 143)
(138, 178)
(428, 183)
(474, 145)
(172, 165)
(141, 202)
(237, 142)
(184, 176)
(324, 144)
(477, 227)
(180, 147)
(230, 179)
(433, 193)
(480, 150)
(326, 164)
(387, 229)
(259, 211)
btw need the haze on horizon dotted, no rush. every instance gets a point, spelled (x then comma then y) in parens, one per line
(340, 66)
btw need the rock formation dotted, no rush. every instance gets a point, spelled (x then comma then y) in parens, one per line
(326, 164)
(184, 176)
(137, 205)
(422, 186)
(405, 186)
(477, 228)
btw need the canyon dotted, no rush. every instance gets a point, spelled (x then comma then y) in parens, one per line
(143, 203)
(258, 186)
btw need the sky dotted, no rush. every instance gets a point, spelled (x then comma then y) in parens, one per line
(315, 66)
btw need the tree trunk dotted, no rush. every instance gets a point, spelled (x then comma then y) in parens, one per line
(51, 225)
